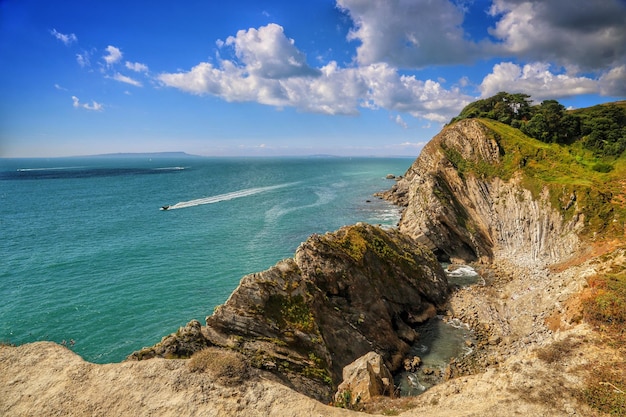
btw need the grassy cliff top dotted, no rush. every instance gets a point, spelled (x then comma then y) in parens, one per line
(571, 172)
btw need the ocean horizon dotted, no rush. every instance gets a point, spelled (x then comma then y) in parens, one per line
(91, 260)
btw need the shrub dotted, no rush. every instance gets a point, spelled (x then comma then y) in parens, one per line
(227, 367)
(602, 167)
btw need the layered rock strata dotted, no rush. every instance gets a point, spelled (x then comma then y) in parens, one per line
(465, 216)
(344, 294)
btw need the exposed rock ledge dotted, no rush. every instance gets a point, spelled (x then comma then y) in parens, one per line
(344, 294)
(466, 218)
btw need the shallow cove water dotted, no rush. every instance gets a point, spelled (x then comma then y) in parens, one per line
(439, 341)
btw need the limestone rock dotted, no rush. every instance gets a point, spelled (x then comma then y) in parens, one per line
(365, 378)
(182, 344)
(344, 294)
(464, 217)
(412, 364)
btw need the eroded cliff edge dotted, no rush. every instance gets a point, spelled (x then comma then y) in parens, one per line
(455, 205)
(344, 294)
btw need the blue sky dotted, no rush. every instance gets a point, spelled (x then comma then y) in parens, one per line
(244, 77)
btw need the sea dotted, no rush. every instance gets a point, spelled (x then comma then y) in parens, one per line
(89, 259)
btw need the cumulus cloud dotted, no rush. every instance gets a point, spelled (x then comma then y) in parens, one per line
(582, 34)
(136, 66)
(113, 55)
(125, 79)
(403, 93)
(94, 106)
(268, 53)
(325, 94)
(66, 39)
(409, 34)
(587, 34)
(613, 82)
(273, 72)
(268, 68)
(535, 79)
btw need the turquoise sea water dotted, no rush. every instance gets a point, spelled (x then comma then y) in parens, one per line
(86, 254)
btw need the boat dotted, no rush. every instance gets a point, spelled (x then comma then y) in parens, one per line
(165, 208)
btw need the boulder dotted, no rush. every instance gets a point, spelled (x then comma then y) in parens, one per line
(365, 378)
(411, 364)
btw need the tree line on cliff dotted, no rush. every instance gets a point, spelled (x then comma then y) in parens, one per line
(601, 128)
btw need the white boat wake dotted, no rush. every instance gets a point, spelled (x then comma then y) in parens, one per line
(225, 197)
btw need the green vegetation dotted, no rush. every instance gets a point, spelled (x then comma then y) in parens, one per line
(292, 312)
(571, 173)
(356, 241)
(345, 401)
(604, 306)
(601, 128)
(318, 370)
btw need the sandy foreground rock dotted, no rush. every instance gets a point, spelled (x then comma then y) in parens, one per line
(47, 379)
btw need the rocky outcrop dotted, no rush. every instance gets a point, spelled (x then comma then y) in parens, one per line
(182, 344)
(364, 379)
(467, 215)
(344, 294)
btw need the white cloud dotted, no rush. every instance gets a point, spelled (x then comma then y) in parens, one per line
(424, 99)
(94, 106)
(537, 80)
(336, 91)
(400, 122)
(587, 34)
(58, 87)
(409, 34)
(590, 35)
(83, 59)
(66, 39)
(125, 79)
(412, 144)
(613, 82)
(271, 71)
(136, 66)
(113, 55)
(268, 53)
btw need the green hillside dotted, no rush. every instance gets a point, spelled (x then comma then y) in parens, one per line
(572, 173)
(601, 128)
(583, 164)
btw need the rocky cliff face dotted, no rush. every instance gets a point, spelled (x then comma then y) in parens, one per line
(464, 215)
(344, 294)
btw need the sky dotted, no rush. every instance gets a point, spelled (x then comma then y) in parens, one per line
(285, 77)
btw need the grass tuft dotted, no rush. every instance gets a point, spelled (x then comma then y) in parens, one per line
(229, 368)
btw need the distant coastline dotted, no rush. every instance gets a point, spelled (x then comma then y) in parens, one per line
(140, 155)
(163, 155)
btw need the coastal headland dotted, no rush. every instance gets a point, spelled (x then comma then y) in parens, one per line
(481, 193)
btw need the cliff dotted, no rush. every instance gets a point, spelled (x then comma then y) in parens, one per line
(456, 208)
(361, 284)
